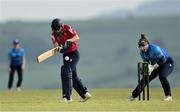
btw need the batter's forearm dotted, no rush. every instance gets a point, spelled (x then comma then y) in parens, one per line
(74, 39)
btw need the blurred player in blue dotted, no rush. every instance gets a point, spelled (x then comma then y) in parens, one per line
(160, 64)
(16, 62)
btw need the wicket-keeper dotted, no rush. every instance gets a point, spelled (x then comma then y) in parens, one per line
(66, 37)
(160, 64)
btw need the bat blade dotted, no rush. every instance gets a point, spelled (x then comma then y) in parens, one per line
(48, 54)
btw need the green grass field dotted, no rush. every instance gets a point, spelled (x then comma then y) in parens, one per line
(103, 100)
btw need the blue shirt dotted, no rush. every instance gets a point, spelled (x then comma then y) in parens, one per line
(16, 57)
(154, 54)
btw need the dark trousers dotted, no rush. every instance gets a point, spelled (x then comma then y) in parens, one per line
(11, 76)
(72, 62)
(163, 72)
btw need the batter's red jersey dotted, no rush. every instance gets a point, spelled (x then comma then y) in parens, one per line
(68, 33)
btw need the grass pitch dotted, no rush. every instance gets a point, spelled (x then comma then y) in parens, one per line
(103, 100)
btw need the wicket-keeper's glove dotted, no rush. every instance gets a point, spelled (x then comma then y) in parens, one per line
(152, 67)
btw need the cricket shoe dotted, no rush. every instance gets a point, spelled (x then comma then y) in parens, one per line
(18, 89)
(65, 100)
(131, 98)
(168, 98)
(87, 97)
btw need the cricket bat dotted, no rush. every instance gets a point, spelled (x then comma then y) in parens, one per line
(48, 54)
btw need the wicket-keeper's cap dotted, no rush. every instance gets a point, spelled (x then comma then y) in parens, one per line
(16, 41)
(55, 24)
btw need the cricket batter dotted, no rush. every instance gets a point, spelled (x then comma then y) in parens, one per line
(161, 64)
(16, 62)
(65, 36)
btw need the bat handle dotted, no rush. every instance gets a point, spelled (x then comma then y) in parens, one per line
(37, 60)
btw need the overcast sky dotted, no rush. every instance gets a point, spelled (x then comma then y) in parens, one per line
(37, 10)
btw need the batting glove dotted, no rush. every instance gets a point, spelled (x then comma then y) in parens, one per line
(66, 46)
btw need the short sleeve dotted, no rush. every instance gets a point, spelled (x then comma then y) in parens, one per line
(22, 50)
(71, 31)
(158, 52)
